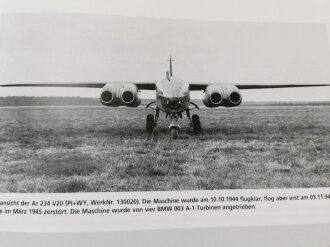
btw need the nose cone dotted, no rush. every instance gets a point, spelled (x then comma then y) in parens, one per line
(173, 104)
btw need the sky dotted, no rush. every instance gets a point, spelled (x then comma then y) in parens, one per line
(273, 43)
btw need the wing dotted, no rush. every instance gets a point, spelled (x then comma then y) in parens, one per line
(151, 85)
(148, 85)
(257, 86)
(195, 86)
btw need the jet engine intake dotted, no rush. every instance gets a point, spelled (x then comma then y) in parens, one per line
(216, 98)
(127, 97)
(235, 98)
(106, 97)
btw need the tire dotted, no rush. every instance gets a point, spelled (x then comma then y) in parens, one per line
(196, 124)
(174, 132)
(150, 123)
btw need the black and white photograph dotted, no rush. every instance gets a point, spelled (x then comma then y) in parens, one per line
(96, 102)
(164, 122)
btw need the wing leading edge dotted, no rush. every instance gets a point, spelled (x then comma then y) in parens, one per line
(140, 85)
(151, 85)
(202, 86)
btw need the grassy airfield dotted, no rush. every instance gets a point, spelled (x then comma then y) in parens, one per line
(72, 149)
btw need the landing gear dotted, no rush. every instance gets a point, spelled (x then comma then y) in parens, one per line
(174, 126)
(152, 120)
(174, 132)
(196, 124)
(150, 123)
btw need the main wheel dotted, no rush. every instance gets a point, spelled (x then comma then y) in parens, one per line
(196, 123)
(174, 132)
(150, 123)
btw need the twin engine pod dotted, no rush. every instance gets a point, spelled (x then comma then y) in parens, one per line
(222, 95)
(117, 94)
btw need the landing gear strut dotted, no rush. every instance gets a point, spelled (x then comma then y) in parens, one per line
(156, 117)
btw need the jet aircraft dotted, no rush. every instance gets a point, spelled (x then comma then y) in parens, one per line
(172, 96)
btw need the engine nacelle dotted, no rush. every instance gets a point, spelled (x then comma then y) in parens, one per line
(117, 94)
(222, 95)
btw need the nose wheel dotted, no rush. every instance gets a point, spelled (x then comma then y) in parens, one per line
(174, 126)
(174, 132)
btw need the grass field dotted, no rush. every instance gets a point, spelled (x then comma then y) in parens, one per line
(71, 149)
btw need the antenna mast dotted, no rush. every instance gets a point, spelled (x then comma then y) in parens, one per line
(171, 71)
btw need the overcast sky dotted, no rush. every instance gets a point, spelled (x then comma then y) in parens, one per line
(84, 47)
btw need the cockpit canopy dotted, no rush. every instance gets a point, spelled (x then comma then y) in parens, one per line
(172, 88)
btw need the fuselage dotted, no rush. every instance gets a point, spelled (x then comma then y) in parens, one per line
(172, 95)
